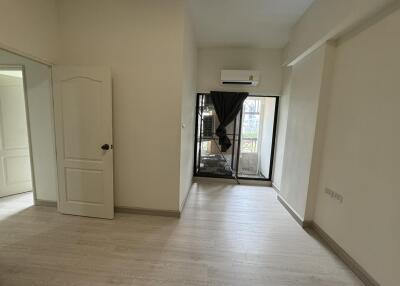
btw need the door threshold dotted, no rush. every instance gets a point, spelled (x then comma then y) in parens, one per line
(245, 182)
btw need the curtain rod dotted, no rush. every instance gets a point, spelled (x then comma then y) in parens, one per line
(250, 94)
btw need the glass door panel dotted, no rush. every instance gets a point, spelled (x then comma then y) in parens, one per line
(257, 133)
(211, 161)
(251, 134)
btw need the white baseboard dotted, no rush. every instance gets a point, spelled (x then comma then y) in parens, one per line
(300, 220)
(44, 203)
(358, 270)
(182, 206)
(152, 212)
(275, 187)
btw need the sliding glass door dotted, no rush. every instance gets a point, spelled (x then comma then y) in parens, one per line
(256, 138)
(252, 134)
(210, 161)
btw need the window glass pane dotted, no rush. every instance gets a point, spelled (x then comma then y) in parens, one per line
(251, 106)
(206, 146)
(249, 146)
(250, 126)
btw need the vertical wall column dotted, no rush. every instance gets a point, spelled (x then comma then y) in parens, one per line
(309, 91)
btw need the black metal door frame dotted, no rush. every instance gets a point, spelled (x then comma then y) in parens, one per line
(197, 152)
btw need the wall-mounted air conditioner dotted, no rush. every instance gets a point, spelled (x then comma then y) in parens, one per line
(241, 77)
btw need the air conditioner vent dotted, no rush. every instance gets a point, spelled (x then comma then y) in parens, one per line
(240, 77)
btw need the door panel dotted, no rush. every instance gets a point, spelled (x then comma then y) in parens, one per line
(15, 167)
(83, 121)
(80, 96)
(13, 117)
(84, 185)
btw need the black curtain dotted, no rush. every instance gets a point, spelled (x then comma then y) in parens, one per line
(227, 106)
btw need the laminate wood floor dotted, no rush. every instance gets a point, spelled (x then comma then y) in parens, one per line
(227, 235)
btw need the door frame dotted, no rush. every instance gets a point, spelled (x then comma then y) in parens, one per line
(274, 135)
(273, 145)
(27, 119)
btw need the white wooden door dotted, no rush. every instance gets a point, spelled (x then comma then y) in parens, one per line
(15, 166)
(83, 127)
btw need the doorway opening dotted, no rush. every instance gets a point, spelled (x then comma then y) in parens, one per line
(252, 134)
(15, 150)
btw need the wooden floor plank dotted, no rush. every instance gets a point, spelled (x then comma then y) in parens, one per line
(227, 235)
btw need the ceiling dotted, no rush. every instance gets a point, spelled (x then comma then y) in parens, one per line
(245, 23)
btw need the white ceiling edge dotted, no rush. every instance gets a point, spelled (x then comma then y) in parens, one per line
(263, 24)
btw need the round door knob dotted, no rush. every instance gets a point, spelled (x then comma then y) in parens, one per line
(105, 147)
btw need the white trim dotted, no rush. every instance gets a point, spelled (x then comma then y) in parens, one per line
(25, 55)
(357, 269)
(150, 212)
(298, 218)
(44, 203)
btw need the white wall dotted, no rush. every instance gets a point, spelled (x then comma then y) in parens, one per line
(302, 139)
(38, 81)
(283, 112)
(358, 155)
(152, 56)
(361, 157)
(187, 110)
(142, 42)
(30, 28)
(326, 19)
(212, 60)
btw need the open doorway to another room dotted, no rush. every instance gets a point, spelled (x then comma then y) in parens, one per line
(252, 134)
(28, 173)
(15, 151)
